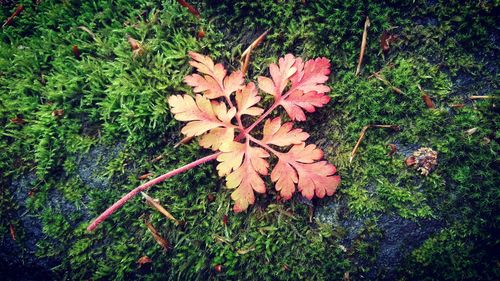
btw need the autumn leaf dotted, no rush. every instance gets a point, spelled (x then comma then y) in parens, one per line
(295, 85)
(203, 114)
(246, 99)
(280, 76)
(307, 89)
(245, 178)
(214, 83)
(282, 135)
(299, 101)
(298, 167)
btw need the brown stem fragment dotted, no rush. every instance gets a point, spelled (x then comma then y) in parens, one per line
(10, 19)
(387, 83)
(245, 56)
(363, 46)
(152, 202)
(76, 52)
(483, 97)
(190, 8)
(163, 243)
(362, 136)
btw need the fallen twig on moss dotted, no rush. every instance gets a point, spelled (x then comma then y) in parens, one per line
(152, 202)
(387, 83)
(363, 45)
(163, 243)
(483, 97)
(362, 136)
(10, 19)
(245, 56)
(190, 8)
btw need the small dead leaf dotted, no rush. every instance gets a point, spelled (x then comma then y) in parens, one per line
(210, 197)
(145, 176)
(12, 232)
(427, 99)
(393, 149)
(346, 276)
(470, 131)
(76, 52)
(137, 49)
(58, 113)
(386, 40)
(17, 121)
(225, 219)
(201, 33)
(144, 260)
(160, 240)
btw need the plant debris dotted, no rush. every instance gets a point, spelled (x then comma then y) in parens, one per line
(160, 240)
(386, 39)
(362, 136)
(10, 19)
(427, 99)
(152, 202)
(363, 46)
(424, 160)
(245, 56)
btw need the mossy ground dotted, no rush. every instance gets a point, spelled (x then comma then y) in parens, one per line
(116, 120)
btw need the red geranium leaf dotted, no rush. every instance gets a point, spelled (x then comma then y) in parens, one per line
(203, 114)
(282, 135)
(246, 99)
(298, 101)
(280, 74)
(298, 166)
(247, 163)
(214, 83)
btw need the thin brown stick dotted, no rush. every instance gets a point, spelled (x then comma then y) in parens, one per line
(160, 240)
(245, 56)
(363, 45)
(183, 141)
(362, 136)
(190, 8)
(483, 97)
(159, 207)
(387, 83)
(13, 16)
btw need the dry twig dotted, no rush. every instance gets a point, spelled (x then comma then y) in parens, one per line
(13, 16)
(190, 8)
(483, 97)
(363, 46)
(163, 243)
(387, 83)
(159, 207)
(362, 136)
(245, 56)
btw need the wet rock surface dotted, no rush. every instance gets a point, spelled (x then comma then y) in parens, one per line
(18, 259)
(398, 238)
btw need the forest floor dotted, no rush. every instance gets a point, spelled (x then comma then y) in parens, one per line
(78, 130)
